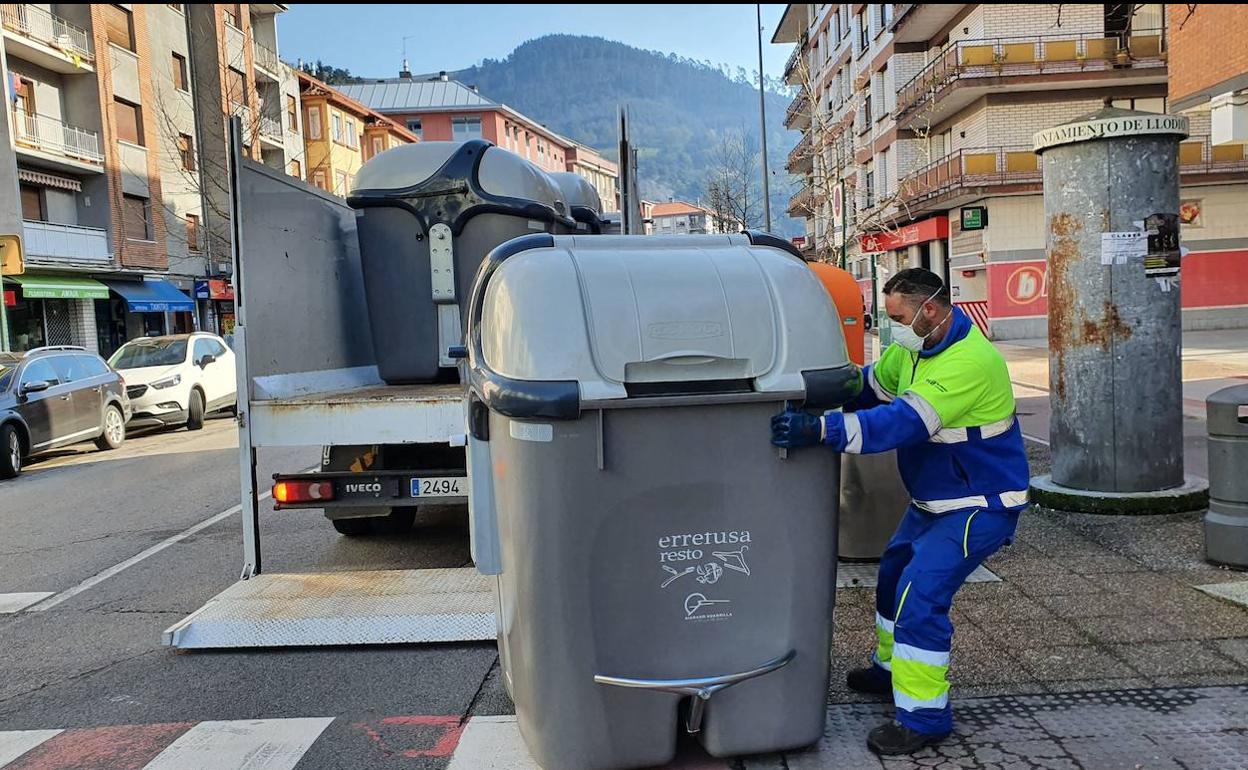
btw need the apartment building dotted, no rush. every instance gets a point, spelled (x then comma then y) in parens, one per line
(439, 108)
(918, 115)
(341, 134)
(105, 172)
(682, 218)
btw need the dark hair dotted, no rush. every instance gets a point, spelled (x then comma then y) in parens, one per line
(918, 283)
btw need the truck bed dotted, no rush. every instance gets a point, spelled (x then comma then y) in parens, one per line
(369, 414)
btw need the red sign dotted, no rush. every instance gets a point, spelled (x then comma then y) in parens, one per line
(1018, 289)
(933, 229)
(214, 289)
(799, 241)
(10, 298)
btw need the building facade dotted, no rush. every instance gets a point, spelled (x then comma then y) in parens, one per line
(109, 172)
(438, 108)
(681, 218)
(912, 114)
(340, 134)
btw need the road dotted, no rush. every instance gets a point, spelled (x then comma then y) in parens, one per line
(94, 658)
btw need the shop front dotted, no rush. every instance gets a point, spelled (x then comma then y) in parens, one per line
(216, 298)
(50, 310)
(141, 309)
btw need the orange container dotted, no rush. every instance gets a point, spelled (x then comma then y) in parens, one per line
(847, 298)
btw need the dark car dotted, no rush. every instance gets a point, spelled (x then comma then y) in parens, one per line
(56, 396)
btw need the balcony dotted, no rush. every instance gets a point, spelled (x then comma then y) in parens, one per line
(266, 61)
(801, 204)
(51, 142)
(800, 157)
(967, 174)
(797, 116)
(1201, 162)
(968, 69)
(793, 73)
(46, 39)
(50, 242)
(271, 131)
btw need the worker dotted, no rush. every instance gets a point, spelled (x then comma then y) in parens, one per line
(940, 395)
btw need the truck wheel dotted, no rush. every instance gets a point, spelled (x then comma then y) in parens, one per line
(195, 411)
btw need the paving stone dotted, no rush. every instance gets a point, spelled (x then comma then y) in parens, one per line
(1053, 631)
(1092, 685)
(1199, 680)
(1120, 631)
(1103, 565)
(1204, 622)
(1089, 606)
(1123, 752)
(1235, 649)
(1176, 659)
(1052, 664)
(1222, 750)
(1056, 584)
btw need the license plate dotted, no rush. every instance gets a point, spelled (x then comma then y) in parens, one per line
(440, 486)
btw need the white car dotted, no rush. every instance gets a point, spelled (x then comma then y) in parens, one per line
(176, 379)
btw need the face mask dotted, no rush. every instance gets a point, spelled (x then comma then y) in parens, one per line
(907, 337)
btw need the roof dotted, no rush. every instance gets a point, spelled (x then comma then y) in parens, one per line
(430, 93)
(675, 208)
(306, 81)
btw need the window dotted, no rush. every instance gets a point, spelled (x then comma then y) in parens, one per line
(33, 208)
(866, 113)
(341, 183)
(236, 88)
(864, 33)
(318, 180)
(879, 17)
(39, 370)
(91, 366)
(886, 14)
(834, 25)
(179, 72)
(465, 128)
(129, 120)
(351, 142)
(186, 152)
(192, 232)
(379, 145)
(884, 173)
(313, 123)
(413, 125)
(232, 15)
(335, 126)
(120, 25)
(177, 7)
(136, 218)
(292, 113)
(68, 369)
(24, 100)
(296, 169)
(869, 184)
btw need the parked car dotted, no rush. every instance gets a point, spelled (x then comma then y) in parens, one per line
(176, 379)
(56, 396)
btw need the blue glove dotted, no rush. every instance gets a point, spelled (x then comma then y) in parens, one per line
(793, 428)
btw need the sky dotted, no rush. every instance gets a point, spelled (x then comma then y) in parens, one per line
(367, 39)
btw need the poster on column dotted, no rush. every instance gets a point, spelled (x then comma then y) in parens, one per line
(1018, 289)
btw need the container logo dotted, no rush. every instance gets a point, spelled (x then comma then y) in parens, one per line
(693, 557)
(685, 330)
(699, 607)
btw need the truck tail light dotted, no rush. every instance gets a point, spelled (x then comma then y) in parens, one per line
(302, 491)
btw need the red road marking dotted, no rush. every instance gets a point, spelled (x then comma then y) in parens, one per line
(392, 734)
(125, 747)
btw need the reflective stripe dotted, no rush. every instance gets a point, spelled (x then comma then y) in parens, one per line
(884, 664)
(950, 436)
(931, 658)
(996, 428)
(1015, 499)
(966, 535)
(952, 504)
(823, 429)
(880, 392)
(906, 703)
(902, 603)
(853, 434)
(883, 622)
(925, 411)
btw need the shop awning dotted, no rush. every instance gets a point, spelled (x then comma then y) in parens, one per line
(152, 296)
(59, 287)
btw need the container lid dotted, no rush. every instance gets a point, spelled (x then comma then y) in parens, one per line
(577, 191)
(1224, 409)
(608, 312)
(1108, 123)
(473, 169)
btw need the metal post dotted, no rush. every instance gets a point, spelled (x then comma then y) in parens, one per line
(762, 118)
(1111, 199)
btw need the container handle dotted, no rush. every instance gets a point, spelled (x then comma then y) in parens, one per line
(699, 689)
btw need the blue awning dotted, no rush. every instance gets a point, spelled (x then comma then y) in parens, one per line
(152, 296)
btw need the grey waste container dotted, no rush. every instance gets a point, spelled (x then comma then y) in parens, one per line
(428, 214)
(583, 202)
(873, 500)
(662, 565)
(1226, 523)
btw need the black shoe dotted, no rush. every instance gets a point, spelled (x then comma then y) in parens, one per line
(893, 738)
(870, 680)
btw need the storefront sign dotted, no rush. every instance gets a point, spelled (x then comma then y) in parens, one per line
(974, 218)
(1018, 289)
(214, 289)
(1105, 128)
(10, 298)
(934, 229)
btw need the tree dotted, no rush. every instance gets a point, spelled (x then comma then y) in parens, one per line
(732, 189)
(327, 73)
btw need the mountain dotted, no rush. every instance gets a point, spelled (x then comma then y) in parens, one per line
(681, 110)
